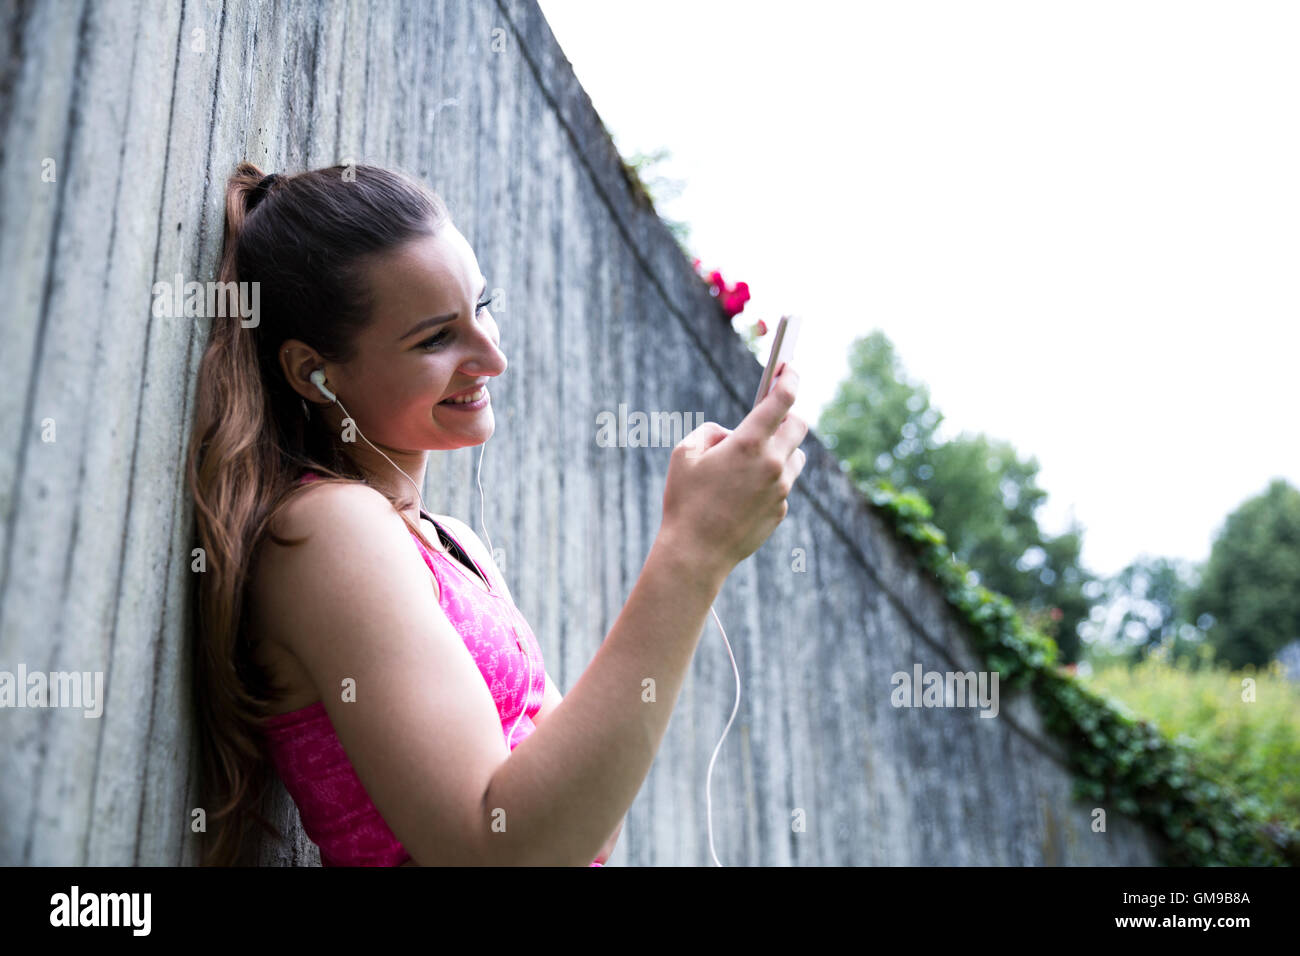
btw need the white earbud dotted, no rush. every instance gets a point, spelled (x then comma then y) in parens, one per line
(318, 379)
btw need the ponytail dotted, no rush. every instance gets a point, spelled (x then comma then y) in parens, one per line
(302, 238)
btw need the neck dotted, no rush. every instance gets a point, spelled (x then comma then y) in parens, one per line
(381, 474)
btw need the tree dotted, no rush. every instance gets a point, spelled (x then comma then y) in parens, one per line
(878, 420)
(983, 494)
(1146, 607)
(1251, 584)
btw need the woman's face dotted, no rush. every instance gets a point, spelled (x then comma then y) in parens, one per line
(431, 337)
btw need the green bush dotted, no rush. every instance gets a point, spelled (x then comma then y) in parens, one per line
(1252, 745)
(1117, 758)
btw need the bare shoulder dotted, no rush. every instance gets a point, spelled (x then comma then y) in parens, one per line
(341, 529)
(322, 514)
(466, 536)
(323, 504)
(353, 605)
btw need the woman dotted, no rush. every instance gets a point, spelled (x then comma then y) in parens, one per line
(366, 650)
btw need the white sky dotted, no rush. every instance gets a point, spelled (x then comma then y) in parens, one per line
(1078, 223)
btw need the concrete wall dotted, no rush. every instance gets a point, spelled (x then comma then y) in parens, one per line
(144, 108)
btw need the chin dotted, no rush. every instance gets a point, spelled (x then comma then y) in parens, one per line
(462, 440)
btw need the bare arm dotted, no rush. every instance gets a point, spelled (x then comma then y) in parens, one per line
(354, 604)
(552, 696)
(550, 701)
(567, 787)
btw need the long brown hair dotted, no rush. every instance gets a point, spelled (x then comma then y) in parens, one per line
(305, 239)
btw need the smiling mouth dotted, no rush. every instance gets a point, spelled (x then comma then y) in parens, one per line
(467, 399)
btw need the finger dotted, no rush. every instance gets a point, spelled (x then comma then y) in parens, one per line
(702, 439)
(791, 434)
(763, 421)
(793, 466)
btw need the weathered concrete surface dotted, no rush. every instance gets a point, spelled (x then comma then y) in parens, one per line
(144, 109)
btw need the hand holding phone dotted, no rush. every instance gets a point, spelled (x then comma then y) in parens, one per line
(721, 499)
(787, 331)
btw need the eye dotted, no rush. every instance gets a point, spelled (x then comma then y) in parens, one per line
(437, 340)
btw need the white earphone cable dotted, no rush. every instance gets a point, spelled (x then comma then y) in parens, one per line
(528, 683)
(482, 515)
(386, 458)
(708, 802)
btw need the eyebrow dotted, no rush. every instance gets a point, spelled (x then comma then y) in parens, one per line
(436, 320)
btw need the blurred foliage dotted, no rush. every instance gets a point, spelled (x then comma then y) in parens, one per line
(1250, 588)
(1144, 608)
(1251, 745)
(983, 495)
(659, 189)
(1243, 604)
(1120, 762)
(758, 345)
(967, 511)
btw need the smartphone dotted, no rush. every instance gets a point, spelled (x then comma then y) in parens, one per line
(787, 331)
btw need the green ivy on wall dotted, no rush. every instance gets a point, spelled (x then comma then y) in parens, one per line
(1116, 758)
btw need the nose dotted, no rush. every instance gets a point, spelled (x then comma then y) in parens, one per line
(489, 360)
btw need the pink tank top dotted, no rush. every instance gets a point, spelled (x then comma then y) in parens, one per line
(335, 810)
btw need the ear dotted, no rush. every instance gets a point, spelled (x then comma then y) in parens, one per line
(298, 361)
(318, 379)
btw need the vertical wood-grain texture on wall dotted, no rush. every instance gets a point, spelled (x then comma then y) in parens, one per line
(140, 111)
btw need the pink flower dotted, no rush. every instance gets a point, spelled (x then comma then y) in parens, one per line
(733, 298)
(762, 327)
(733, 303)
